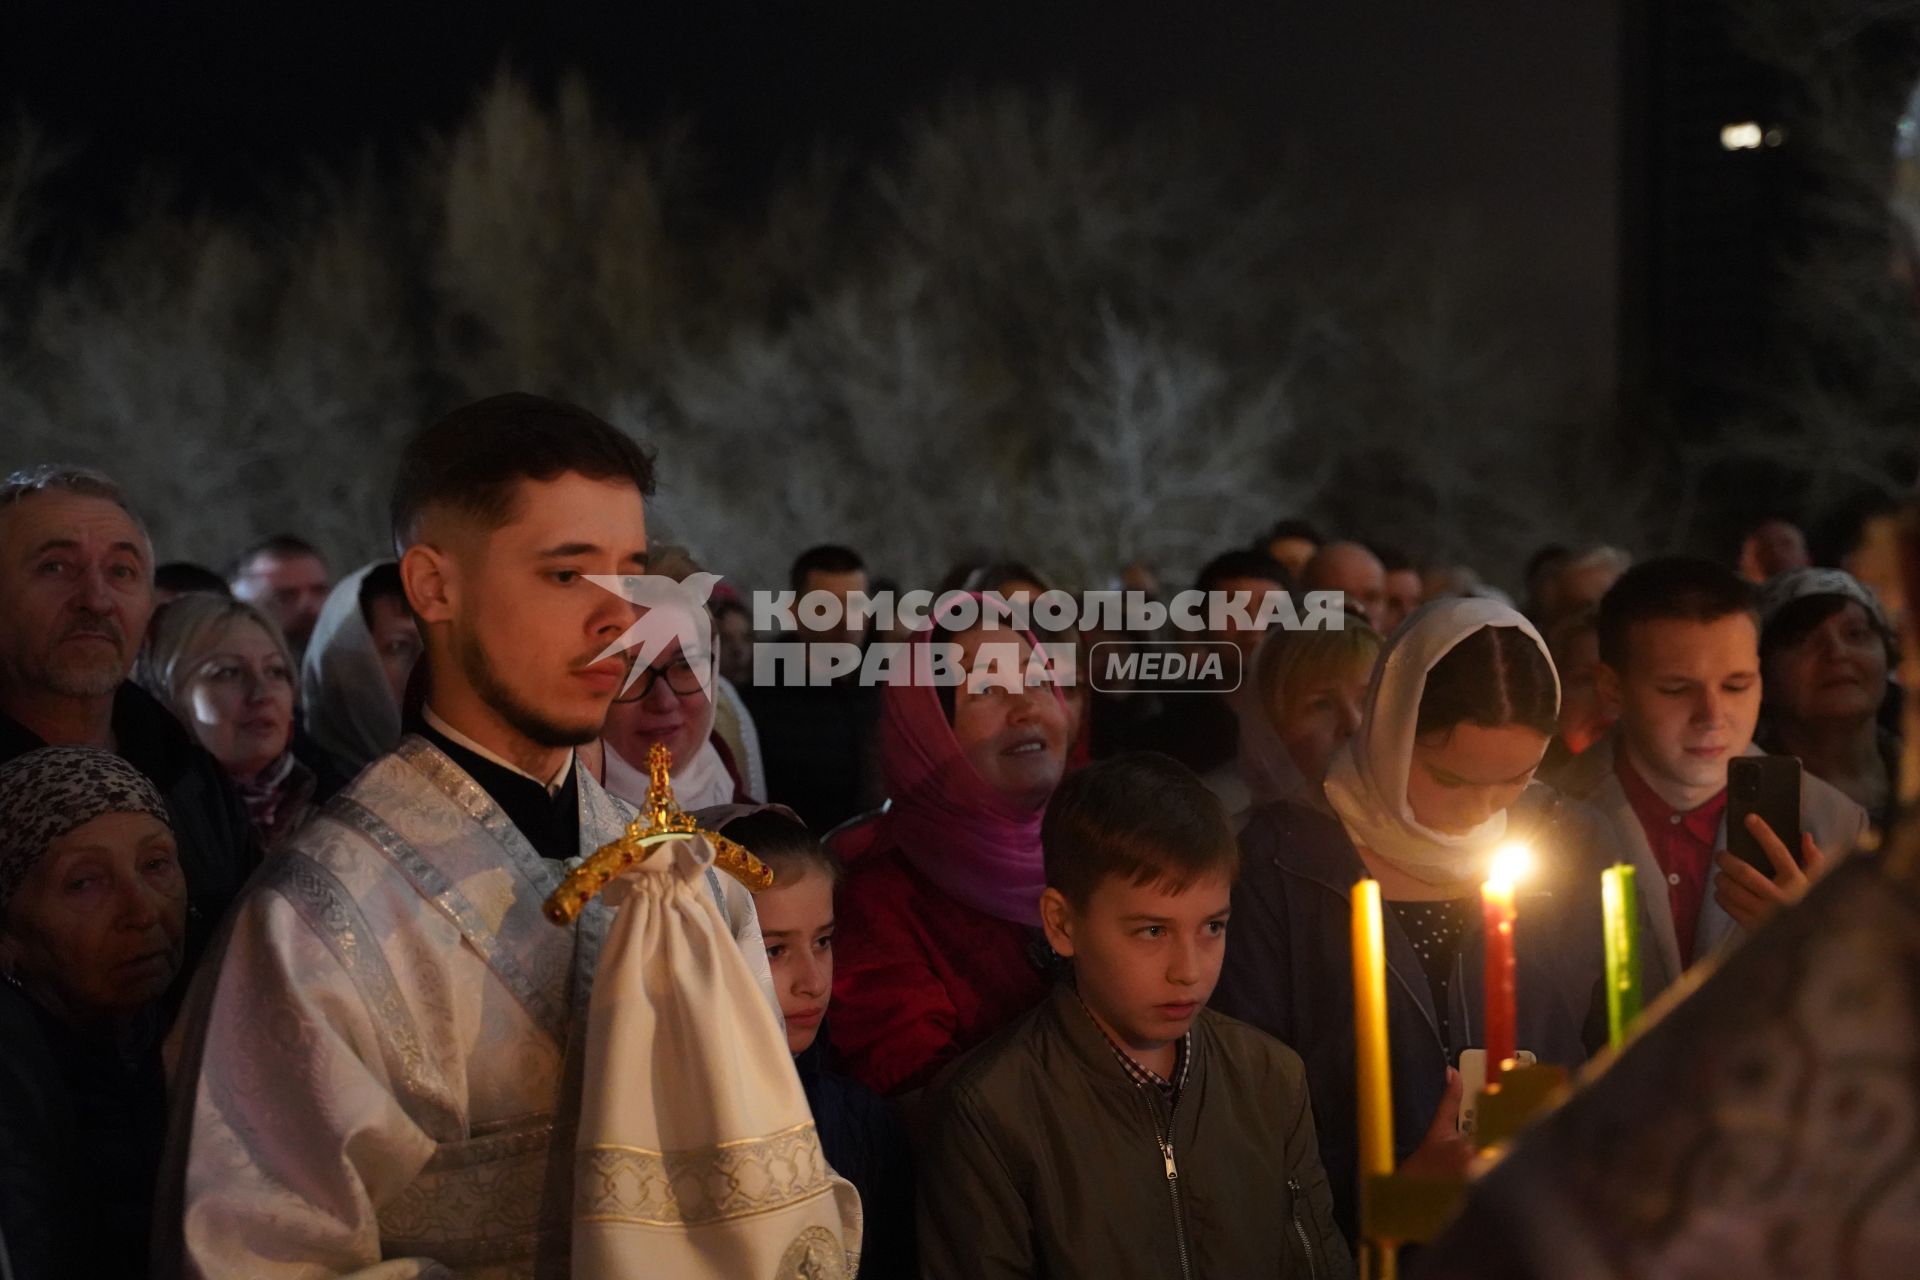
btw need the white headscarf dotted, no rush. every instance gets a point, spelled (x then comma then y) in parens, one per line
(699, 782)
(1367, 783)
(349, 705)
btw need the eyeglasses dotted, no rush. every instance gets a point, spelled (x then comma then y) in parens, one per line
(682, 676)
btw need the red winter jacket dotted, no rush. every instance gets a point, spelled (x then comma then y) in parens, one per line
(920, 977)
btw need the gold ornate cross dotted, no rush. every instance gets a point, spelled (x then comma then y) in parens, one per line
(659, 820)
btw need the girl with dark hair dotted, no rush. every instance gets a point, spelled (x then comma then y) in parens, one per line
(862, 1138)
(1463, 702)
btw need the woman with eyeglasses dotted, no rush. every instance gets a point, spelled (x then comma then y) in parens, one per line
(671, 703)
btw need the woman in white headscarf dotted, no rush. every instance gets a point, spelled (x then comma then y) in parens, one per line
(672, 703)
(353, 678)
(1461, 707)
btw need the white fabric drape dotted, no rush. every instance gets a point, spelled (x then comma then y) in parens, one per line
(697, 1154)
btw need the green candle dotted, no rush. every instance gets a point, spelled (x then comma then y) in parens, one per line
(1621, 903)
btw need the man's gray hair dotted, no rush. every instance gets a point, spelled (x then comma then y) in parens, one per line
(83, 481)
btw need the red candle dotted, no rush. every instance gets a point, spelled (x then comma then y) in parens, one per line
(1496, 904)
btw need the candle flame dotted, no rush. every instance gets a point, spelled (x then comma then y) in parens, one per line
(1511, 863)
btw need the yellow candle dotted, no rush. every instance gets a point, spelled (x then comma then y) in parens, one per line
(1370, 1030)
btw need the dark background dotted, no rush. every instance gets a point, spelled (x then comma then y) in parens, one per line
(1501, 115)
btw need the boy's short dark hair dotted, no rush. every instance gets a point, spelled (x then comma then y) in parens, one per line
(1142, 816)
(474, 459)
(827, 558)
(1677, 588)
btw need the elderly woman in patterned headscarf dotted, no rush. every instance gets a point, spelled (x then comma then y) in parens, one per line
(92, 921)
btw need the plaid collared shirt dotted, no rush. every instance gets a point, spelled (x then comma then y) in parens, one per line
(1143, 1075)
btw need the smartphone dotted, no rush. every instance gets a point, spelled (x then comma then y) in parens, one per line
(1770, 787)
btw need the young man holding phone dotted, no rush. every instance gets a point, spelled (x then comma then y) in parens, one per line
(1680, 665)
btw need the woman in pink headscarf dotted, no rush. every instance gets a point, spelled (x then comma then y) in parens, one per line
(938, 941)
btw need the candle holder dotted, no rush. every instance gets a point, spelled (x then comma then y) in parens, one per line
(661, 819)
(1523, 1095)
(1399, 1209)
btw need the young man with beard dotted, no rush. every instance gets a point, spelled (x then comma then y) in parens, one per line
(385, 1078)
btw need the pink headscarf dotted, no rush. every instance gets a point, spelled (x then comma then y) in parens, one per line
(976, 843)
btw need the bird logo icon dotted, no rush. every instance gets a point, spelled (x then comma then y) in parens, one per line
(669, 611)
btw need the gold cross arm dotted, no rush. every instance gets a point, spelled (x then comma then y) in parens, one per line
(659, 820)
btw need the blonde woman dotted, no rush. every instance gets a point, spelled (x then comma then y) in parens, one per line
(225, 670)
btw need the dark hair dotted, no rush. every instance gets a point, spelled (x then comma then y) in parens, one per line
(183, 577)
(1141, 816)
(1291, 528)
(1242, 564)
(785, 844)
(382, 583)
(1676, 588)
(994, 574)
(1546, 557)
(475, 458)
(1496, 676)
(284, 546)
(1771, 517)
(1392, 559)
(827, 558)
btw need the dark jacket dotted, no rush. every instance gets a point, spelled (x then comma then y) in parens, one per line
(866, 1145)
(218, 849)
(1043, 1158)
(81, 1127)
(1289, 969)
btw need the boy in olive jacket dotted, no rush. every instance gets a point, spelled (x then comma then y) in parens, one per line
(1122, 1128)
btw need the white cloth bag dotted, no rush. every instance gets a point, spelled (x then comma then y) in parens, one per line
(697, 1155)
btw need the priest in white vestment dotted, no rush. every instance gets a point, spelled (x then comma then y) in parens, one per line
(381, 1079)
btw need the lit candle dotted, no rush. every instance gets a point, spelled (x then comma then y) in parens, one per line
(1621, 904)
(1496, 904)
(1370, 1031)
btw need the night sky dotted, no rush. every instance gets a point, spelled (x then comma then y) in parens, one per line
(1503, 113)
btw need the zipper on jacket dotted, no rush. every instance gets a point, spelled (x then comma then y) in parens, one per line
(1164, 1137)
(1300, 1228)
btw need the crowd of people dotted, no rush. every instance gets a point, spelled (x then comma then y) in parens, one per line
(1064, 970)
